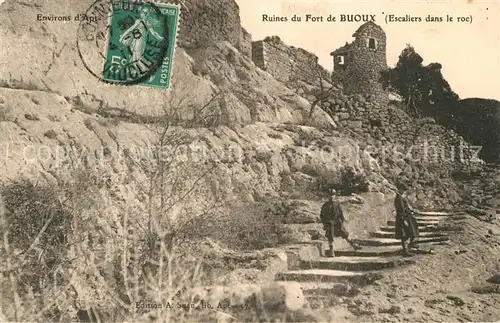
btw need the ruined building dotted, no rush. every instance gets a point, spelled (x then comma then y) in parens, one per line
(287, 63)
(357, 65)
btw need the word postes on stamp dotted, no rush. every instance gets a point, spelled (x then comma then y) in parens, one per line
(131, 42)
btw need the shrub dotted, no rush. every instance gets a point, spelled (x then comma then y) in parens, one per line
(275, 135)
(326, 181)
(306, 138)
(5, 113)
(38, 225)
(249, 226)
(345, 183)
(351, 182)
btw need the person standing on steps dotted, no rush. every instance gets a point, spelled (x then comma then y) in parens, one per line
(406, 224)
(332, 218)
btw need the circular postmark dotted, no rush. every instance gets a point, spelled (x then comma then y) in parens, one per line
(126, 43)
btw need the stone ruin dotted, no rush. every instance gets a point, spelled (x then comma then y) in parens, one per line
(357, 65)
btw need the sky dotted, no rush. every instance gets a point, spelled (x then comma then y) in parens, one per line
(468, 51)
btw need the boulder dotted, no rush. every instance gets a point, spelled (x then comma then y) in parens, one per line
(343, 115)
(296, 254)
(355, 124)
(302, 211)
(245, 266)
(283, 296)
(494, 279)
(353, 199)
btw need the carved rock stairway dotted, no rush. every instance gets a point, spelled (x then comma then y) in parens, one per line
(343, 275)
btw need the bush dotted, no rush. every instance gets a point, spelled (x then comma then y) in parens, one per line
(38, 225)
(351, 182)
(345, 183)
(326, 181)
(5, 113)
(249, 226)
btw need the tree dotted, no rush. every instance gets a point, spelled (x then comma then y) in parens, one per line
(438, 99)
(423, 88)
(324, 92)
(406, 78)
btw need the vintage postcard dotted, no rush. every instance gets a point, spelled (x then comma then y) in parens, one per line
(249, 161)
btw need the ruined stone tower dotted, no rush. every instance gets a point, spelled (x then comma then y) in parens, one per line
(357, 65)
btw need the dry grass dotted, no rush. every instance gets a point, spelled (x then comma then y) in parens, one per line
(61, 260)
(248, 226)
(65, 259)
(5, 113)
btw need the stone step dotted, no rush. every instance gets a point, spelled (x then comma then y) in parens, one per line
(368, 251)
(434, 213)
(331, 276)
(315, 243)
(327, 289)
(315, 231)
(419, 222)
(423, 220)
(347, 251)
(374, 251)
(296, 227)
(396, 242)
(430, 218)
(422, 228)
(384, 234)
(356, 263)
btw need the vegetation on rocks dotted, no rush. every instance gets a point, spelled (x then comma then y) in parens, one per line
(426, 93)
(36, 226)
(249, 226)
(424, 90)
(346, 182)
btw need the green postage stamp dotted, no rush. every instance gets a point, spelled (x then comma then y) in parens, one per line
(141, 43)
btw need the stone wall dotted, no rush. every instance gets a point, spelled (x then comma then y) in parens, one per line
(389, 126)
(420, 152)
(382, 123)
(285, 63)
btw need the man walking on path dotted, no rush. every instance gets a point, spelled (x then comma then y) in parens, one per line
(332, 218)
(406, 224)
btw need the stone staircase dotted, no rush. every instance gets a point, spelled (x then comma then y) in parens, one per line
(343, 275)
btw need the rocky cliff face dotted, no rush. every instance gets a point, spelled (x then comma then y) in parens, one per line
(241, 133)
(241, 117)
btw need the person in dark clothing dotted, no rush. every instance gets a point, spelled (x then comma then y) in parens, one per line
(406, 224)
(332, 218)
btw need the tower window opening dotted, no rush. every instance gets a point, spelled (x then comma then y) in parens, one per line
(372, 43)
